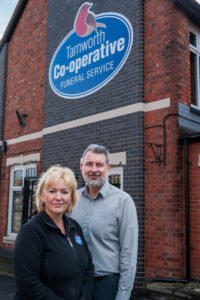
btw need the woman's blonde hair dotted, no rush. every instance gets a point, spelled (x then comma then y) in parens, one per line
(51, 177)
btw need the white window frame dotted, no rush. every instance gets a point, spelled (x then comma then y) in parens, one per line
(196, 51)
(23, 168)
(117, 171)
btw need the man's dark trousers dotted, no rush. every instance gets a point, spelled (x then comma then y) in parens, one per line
(105, 287)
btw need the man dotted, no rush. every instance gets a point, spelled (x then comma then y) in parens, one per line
(109, 222)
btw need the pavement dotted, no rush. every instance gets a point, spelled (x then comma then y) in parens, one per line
(7, 280)
(7, 286)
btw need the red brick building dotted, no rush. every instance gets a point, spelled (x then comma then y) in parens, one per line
(171, 39)
(23, 50)
(148, 115)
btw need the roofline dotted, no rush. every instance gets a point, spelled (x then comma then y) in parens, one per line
(13, 22)
(191, 8)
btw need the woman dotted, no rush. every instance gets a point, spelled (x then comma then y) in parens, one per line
(51, 258)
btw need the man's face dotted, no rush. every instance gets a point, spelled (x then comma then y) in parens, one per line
(94, 169)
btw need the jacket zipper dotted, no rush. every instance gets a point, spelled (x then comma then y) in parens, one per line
(68, 238)
(71, 245)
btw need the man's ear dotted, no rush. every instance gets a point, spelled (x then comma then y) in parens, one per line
(81, 163)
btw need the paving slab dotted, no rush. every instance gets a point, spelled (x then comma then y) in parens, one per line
(7, 286)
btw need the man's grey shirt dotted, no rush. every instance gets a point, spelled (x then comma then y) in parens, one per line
(110, 227)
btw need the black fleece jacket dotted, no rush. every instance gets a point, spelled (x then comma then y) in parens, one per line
(50, 265)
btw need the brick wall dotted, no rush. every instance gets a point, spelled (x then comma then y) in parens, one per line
(166, 75)
(124, 89)
(194, 167)
(118, 134)
(24, 92)
(25, 71)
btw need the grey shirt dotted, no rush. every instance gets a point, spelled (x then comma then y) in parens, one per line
(110, 227)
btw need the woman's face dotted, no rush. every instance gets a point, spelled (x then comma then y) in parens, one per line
(57, 198)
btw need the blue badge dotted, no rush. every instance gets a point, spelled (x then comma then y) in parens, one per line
(78, 239)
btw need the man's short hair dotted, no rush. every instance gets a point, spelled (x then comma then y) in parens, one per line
(98, 149)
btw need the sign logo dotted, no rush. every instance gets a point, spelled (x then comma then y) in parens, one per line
(91, 54)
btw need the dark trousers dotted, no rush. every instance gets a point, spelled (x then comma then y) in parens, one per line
(105, 288)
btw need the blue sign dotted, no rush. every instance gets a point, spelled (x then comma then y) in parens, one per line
(91, 54)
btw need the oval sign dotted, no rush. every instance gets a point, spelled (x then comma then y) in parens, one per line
(90, 55)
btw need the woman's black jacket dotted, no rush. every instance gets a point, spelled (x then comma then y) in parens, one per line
(50, 265)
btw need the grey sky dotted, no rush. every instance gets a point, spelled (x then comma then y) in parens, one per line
(6, 9)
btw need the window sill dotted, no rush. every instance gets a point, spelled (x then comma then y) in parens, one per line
(9, 239)
(195, 109)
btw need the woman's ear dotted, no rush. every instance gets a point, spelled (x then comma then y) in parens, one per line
(43, 197)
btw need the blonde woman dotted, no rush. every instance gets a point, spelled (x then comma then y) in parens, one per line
(51, 258)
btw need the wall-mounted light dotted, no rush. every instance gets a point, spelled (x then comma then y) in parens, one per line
(21, 118)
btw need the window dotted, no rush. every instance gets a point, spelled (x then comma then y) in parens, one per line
(116, 177)
(17, 175)
(195, 68)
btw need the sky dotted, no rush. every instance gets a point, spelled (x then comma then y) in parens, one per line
(6, 9)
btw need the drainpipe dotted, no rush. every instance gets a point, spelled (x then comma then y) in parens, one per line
(2, 117)
(187, 207)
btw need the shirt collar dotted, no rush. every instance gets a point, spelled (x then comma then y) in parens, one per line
(103, 191)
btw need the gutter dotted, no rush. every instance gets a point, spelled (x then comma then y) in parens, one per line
(191, 8)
